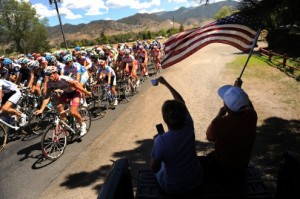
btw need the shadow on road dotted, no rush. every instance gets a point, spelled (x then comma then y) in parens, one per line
(274, 137)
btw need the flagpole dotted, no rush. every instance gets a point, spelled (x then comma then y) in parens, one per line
(250, 53)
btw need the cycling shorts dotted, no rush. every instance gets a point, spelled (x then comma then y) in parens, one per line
(12, 97)
(113, 80)
(72, 97)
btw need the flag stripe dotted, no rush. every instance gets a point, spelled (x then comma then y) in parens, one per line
(176, 57)
(234, 30)
(241, 31)
(229, 33)
(182, 35)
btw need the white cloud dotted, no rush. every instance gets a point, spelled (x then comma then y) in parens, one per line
(43, 11)
(91, 7)
(69, 14)
(134, 4)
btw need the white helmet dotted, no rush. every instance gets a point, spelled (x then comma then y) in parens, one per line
(50, 69)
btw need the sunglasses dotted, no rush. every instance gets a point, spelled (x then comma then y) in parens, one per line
(67, 63)
(48, 74)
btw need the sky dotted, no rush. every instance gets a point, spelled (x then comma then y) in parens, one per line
(85, 11)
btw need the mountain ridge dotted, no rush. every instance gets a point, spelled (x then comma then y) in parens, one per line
(189, 17)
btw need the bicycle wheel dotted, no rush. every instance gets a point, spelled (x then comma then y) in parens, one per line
(103, 103)
(54, 142)
(86, 117)
(137, 88)
(127, 90)
(39, 123)
(119, 90)
(3, 137)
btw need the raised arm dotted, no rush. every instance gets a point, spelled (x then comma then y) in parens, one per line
(175, 94)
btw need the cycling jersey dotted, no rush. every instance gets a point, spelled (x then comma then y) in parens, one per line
(10, 91)
(107, 70)
(14, 69)
(142, 53)
(7, 86)
(63, 83)
(4, 72)
(73, 69)
(129, 60)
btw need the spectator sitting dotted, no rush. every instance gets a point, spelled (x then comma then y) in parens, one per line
(233, 131)
(173, 158)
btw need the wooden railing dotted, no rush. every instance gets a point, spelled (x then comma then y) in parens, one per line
(281, 60)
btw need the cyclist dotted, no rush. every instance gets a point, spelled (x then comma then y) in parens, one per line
(24, 72)
(13, 71)
(72, 93)
(36, 77)
(130, 65)
(156, 57)
(76, 71)
(108, 74)
(9, 96)
(4, 73)
(80, 58)
(142, 57)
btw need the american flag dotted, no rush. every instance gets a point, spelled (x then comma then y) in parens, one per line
(236, 30)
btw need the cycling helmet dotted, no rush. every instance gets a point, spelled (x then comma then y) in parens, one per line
(48, 57)
(47, 54)
(94, 56)
(108, 47)
(56, 53)
(88, 50)
(23, 60)
(7, 61)
(52, 60)
(126, 51)
(101, 53)
(33, 64)
(77, 48)
(68, 58)
(50, 69)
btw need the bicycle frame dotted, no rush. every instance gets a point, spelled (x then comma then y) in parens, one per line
(9, 125)
(64, 125)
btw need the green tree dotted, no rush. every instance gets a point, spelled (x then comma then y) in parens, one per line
(20, 24)
(225, 11)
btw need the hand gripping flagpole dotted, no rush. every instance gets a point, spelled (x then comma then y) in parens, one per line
(251, 51)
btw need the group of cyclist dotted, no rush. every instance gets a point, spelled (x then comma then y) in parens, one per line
(69, 71)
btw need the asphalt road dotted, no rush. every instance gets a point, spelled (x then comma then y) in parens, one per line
(25, 173)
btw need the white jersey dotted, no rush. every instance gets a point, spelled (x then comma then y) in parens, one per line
(107, 70)
(7, 86)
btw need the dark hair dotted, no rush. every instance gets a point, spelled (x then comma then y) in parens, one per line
(174, 113)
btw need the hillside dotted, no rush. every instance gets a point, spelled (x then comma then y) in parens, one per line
(189, 17)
